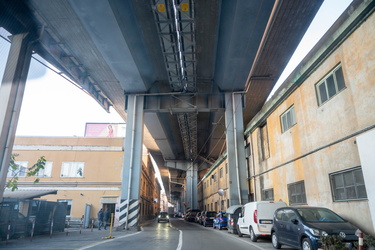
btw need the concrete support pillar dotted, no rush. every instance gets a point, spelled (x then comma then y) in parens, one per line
(178, 206)
(132, 170)
(235, 149)
(191, 185)
(11, 94)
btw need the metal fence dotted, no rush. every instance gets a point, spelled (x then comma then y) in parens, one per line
(22, 218)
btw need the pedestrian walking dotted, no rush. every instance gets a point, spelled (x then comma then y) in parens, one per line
(106, 216)
(100, 218)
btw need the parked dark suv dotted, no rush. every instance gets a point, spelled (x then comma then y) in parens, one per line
(208, 218)
(302, 227)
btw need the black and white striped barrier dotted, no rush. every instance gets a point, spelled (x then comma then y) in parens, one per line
(132, 218)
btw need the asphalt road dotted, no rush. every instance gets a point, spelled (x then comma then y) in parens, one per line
(182, 235)
(176, 235)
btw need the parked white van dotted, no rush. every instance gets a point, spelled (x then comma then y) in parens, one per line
(256, 218)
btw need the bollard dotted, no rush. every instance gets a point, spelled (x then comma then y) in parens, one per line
(32, 230)
(51, 230)
(359, 233)
(110, 226)
(110, 229)
(80, 227)
(8, 233)
(92, 224)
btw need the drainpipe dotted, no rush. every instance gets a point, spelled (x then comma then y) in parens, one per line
(252, 158)
(191, 185)
(131, 163)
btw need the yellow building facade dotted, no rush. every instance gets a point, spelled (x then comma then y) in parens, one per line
(86, 172)
(214, 195)
(304, 148)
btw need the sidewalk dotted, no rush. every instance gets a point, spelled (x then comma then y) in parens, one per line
(73, 239)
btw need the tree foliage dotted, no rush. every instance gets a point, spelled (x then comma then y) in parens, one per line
(31, 171)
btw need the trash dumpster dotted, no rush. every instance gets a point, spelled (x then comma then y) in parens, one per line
(232, 215)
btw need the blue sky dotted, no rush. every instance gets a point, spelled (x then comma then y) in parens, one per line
(53, 106)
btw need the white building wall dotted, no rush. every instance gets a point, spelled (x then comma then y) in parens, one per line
(366, 147)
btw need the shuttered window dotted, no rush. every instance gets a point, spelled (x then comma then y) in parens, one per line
(296, 193)
(267, 195)
(264, 142)
(348, 185)
(288, 119)
(330, 85)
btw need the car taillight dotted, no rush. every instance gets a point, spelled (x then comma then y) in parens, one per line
(256, 216)
(232, 222)
(221, 219)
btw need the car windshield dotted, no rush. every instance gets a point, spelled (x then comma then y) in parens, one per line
(210, 214)
(163, 214)
(319, 215)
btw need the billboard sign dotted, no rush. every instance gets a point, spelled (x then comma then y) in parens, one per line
(105, 129)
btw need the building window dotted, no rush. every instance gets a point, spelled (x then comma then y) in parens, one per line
(72, 169)
(296, 193)
(222, 205)
(247, 151)
(267, 195)
(221, 172)
(68, 206)
(330, 85)
(20, 171)
(47, 171)
(288, 119)
(348, 185)
(264, 142)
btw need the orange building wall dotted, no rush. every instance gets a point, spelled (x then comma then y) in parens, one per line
(101, 180)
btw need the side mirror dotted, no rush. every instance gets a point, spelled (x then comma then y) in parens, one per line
(294, 221)
(240, 215)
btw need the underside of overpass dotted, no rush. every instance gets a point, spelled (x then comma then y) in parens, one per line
(183, 58)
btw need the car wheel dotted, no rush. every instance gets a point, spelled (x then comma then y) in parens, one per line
(253, 237)
(306, 244)
(239, 232)
(275, 242)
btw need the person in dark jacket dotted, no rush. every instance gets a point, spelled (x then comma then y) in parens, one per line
(100, 218)
(106, 216)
